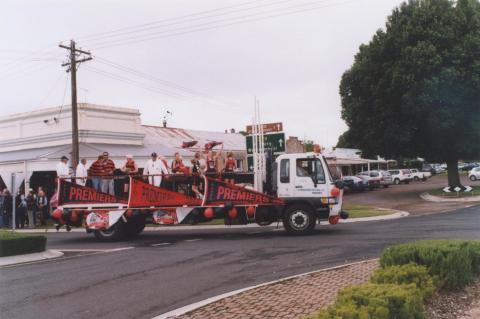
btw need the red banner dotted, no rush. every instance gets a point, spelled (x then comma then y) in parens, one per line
(146, 195)
(70, 193)
(218, 192)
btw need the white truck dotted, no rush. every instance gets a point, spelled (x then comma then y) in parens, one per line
(298, 190)
(419, 175)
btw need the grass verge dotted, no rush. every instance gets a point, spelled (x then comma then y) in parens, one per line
(12, 243)
(358, 211)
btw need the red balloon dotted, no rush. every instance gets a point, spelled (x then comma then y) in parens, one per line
(250, 211)
(57, 213)
(232, 213)
(333, 220)
(209, 213)
(335, 192)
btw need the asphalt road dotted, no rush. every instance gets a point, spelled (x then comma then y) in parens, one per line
(188, 266)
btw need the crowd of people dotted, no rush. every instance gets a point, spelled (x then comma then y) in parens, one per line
(31, 209)
(100, 174)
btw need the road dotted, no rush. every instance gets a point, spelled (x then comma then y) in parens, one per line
(406, 197)
(169, 269)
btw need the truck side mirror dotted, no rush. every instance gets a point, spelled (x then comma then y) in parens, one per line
(339, 184)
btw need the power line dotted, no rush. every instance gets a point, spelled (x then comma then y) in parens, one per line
(96, 35)
(173, 32)
(161, 26)
(149, 77)
(133, 82)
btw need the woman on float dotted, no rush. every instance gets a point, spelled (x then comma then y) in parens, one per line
(177, 164)
(197, 174)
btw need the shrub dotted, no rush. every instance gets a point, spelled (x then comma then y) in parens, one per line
(404, 275)
(17, 244)
(452, 263)
(379, 301)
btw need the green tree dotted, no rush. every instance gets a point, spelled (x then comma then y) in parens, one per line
(414, 90)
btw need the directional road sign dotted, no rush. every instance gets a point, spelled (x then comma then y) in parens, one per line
(275, 141)
(268, 128)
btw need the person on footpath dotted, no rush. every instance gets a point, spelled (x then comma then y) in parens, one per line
(63, 170)
(81, 173)
(30, 199)
(2, 203)
(21, 210)
(7, 208)
(41, 205)
(154, 166)
(95, 171)
(129, 168)
(108, 168)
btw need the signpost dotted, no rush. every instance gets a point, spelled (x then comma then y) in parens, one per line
(273, 138)
(275, 141)
(268, 128)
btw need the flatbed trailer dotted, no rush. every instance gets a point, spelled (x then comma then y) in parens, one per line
(300, 193)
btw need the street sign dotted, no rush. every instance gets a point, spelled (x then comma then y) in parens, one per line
(268, 128)
(275, 141)
(468, 189)
(447, 189)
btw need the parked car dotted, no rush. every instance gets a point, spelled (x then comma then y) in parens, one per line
(474, 174)
(418, 175)
(401, 176)
(467, 166)
(354, 184)
(384, 178)
(369, 182)
(434, 168)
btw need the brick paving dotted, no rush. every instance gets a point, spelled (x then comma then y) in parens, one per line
(292, 298)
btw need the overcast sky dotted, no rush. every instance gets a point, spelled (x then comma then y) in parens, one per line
(289, 53)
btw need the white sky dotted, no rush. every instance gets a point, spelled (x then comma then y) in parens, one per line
(292, 63)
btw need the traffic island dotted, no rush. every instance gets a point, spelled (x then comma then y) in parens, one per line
(18, 248)
(13, 243)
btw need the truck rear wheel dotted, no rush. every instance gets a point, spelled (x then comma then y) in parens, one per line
(115, 233)
(135, 225)
(299, 220)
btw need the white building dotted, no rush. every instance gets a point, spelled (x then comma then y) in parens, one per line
(33, 142)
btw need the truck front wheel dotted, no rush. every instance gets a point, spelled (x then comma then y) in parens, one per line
(299, 220)
(115, 233)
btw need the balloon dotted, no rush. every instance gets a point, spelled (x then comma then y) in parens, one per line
(250, 211)
(209, 213)
(335, 192)
(232, 213)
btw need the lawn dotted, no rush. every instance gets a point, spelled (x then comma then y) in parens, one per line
(439, 192)
(358, 211)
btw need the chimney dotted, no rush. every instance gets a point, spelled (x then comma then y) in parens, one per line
(164, 123)
(232, 130)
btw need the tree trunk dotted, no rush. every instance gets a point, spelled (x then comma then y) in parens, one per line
(453, 174)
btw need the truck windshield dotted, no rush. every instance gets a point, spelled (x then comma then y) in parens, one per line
(330, 175)
(311, 167)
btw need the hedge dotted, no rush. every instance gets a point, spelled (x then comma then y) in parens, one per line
(452, 263)
(409, 274)
(379, 301)
(404, 275)
(12, 243)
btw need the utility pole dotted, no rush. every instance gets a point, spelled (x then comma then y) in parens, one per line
(72, 68)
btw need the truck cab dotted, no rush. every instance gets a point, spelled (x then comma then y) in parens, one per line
(309, 191)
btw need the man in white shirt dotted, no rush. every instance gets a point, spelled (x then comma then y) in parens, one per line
(62, 168)
(154, 166)
(81, 173)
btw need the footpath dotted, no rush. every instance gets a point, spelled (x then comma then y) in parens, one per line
(289, 298)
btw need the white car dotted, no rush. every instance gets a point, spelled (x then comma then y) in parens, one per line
(418, 175)
(474, 174)
(401, 176)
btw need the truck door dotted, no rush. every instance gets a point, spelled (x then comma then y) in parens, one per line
(309, 178)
